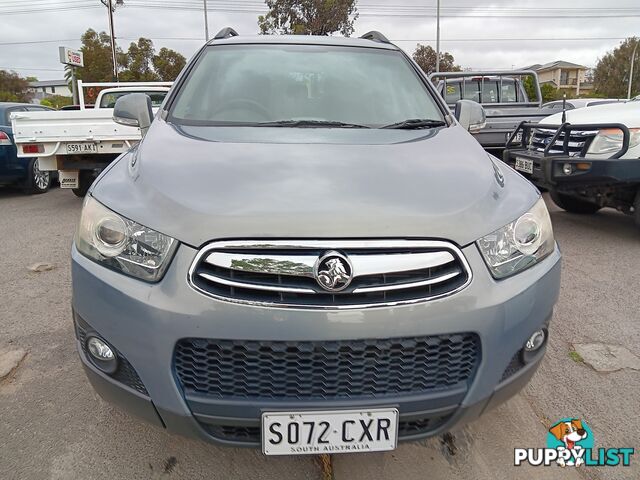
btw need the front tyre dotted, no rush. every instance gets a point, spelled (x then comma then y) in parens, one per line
(573, 204)
(38, 181)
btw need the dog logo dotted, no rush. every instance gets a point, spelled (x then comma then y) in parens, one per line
(333, 272)
(570, 443)
(572, 435)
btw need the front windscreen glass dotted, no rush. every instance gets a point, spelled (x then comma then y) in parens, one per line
(259, 84)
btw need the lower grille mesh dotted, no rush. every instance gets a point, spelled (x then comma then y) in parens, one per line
(325, 369)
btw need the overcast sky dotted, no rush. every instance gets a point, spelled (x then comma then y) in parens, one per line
(472, 36)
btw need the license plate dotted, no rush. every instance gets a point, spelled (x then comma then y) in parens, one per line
(314, 433)
(524, 165)
(516, 139)
(82, 148)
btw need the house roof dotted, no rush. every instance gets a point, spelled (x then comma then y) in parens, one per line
(48, 83)
(553, 65)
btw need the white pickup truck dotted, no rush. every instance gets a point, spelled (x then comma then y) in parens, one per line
(81, 143)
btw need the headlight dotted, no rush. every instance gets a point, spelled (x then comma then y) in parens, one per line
(609, 140)
(520, 244)
(121, 244)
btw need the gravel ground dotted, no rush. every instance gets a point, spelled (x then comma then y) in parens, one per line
(53, 426)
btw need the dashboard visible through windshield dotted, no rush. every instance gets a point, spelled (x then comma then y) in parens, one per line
(304, 86)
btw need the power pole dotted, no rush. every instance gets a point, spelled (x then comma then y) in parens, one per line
(633, 58)
(206, 23)
(110, 9)
(438, 37)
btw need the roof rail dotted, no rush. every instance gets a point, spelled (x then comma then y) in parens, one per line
(225, 33)
(375, 36)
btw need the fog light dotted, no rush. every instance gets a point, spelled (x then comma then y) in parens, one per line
(567, 169)
(102, 355)
(535, 341)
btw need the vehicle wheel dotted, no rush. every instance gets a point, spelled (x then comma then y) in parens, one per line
(85, 180)
(573, 204)
(38, 180)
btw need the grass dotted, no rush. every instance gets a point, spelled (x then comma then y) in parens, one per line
(575, 356)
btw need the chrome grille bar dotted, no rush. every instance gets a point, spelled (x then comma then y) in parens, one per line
(255, 286)
(399, 286)
(298, 265)
(575, 144)
(287, 273)
(302, 265)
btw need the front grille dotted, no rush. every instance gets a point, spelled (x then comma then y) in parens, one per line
(286, 273)
(125, 373)
(252, 435)
(577, 143)
(325, 369)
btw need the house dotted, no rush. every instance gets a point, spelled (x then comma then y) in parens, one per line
(564, 76)
(46, 88)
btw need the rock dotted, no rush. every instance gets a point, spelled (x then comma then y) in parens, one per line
(41, 267)
(9, 361)
(603, 357)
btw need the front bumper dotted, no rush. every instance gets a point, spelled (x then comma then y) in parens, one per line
(548, 171)
(145, 321)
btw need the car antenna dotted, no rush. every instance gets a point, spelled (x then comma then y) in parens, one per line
(564, 107)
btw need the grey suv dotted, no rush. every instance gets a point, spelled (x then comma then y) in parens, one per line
(308, 252)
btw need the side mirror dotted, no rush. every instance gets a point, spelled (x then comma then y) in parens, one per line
(134, 110)
(471, 115)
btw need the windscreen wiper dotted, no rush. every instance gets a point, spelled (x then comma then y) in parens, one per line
(416, 123)
(310, 123)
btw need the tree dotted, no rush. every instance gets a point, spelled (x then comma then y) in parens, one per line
(96, 50)
(138, 62)
(56, 101)
(550, 93)
(14, 88)
(168, 64)
(425, 57)
(309, 17)
(611, 75)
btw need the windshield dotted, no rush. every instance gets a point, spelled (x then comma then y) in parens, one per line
(258, 84)
(109, 99)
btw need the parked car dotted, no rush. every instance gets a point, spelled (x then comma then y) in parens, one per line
(80, 144)
(503, 96)
(573, 103)
(24, 172)
(587, 161)
(308, 253)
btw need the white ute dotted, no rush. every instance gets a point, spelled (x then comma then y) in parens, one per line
(80, 143)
